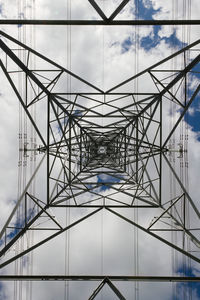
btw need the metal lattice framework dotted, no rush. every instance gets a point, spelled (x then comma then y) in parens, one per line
(103, 150)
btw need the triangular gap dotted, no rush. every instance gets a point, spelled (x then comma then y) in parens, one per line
(78, 235)
(163, 237)
(111, 285)
(127, 85)
(46, 236)
(47, 64)
(109, 9)
(68, 83)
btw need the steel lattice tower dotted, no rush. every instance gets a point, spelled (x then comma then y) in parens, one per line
(103, 150)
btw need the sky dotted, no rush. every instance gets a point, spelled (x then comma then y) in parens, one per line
(104, 56)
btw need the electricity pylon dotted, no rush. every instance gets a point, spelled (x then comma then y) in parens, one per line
(103, 150)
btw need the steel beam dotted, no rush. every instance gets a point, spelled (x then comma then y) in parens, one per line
(98, 278)
(106, 22)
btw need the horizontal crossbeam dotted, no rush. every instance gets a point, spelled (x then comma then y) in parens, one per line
(99, 22)
(99, 278)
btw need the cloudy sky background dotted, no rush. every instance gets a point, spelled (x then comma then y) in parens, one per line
(104, 57)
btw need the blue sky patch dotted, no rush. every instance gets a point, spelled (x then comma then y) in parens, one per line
(111, 179)
(149, 43)
(126, 45)
(146, 11)
(21, 16)
(193, 119)
(77, 113)
(19, 224)
(193, 287)
(2, 292)
(1, 8)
